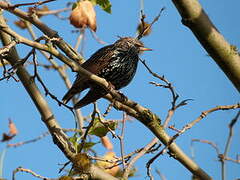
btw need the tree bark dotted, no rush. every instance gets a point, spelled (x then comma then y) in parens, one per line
(224, 54)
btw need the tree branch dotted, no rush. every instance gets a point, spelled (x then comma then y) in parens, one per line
(224, 54)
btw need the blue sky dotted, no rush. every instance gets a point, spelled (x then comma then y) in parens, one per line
(176, 54)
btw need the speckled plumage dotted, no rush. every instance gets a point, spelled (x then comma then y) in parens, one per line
(117, 63)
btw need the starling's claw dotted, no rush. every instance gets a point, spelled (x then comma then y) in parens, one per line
(110, 86)
(123, 97)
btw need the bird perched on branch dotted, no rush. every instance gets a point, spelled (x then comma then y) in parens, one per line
(117, 63)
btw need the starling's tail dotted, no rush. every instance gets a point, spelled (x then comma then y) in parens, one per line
(92, 95)
(69, 95)
(72, 92)
(78, 86)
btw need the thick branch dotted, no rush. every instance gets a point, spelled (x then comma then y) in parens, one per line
(224, 54)
(153, 123)
(59, 137)
(47, 116)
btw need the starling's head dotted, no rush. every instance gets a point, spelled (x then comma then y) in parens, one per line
(127, 43)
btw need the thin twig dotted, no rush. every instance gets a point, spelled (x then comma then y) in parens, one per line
(12, 70)
(215, 147)
(29, 141)
(205, 113)
(187, 127)
(231, 125)
(79, 39)
(39, 138)
(97, 38)
(108, 109)
(169, 86)
(7, 75)
(64, 166)
(82, 30)
(20, 169)
(227, 146)
(121, 139)
(237, 160)
(7, 48)
(52, 12)
(46, 66)
(93, 116)
(139, 154)
(47, 92)
(29, 4)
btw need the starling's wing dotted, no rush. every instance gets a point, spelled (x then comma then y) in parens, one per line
(79, 85)
(93, 94)
(94, 64)
(100, 59)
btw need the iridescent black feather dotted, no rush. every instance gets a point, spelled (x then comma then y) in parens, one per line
(117, 63)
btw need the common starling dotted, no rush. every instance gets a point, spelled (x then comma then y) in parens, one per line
(117, 63)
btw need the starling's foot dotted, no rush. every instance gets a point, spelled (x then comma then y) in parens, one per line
(123, 97)
(110, 86)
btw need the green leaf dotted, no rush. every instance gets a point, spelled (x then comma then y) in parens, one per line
(74, 140)
(104, 4)
(87, 146)
(99, 129)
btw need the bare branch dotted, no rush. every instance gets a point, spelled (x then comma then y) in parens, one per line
(97, 38)
(20, 169)
(205, 113)
(93, 116)
(52, 12)
(7, 48)
(227, 147)
(121, 138)
(188, 126)
(194, 17)
(174, 94)
(139, 154)
(29, 4)
(212, 144)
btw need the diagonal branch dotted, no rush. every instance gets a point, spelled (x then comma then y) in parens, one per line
(224, 54)
(31, 3)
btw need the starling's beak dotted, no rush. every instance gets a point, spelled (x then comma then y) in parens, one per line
(145, 49)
